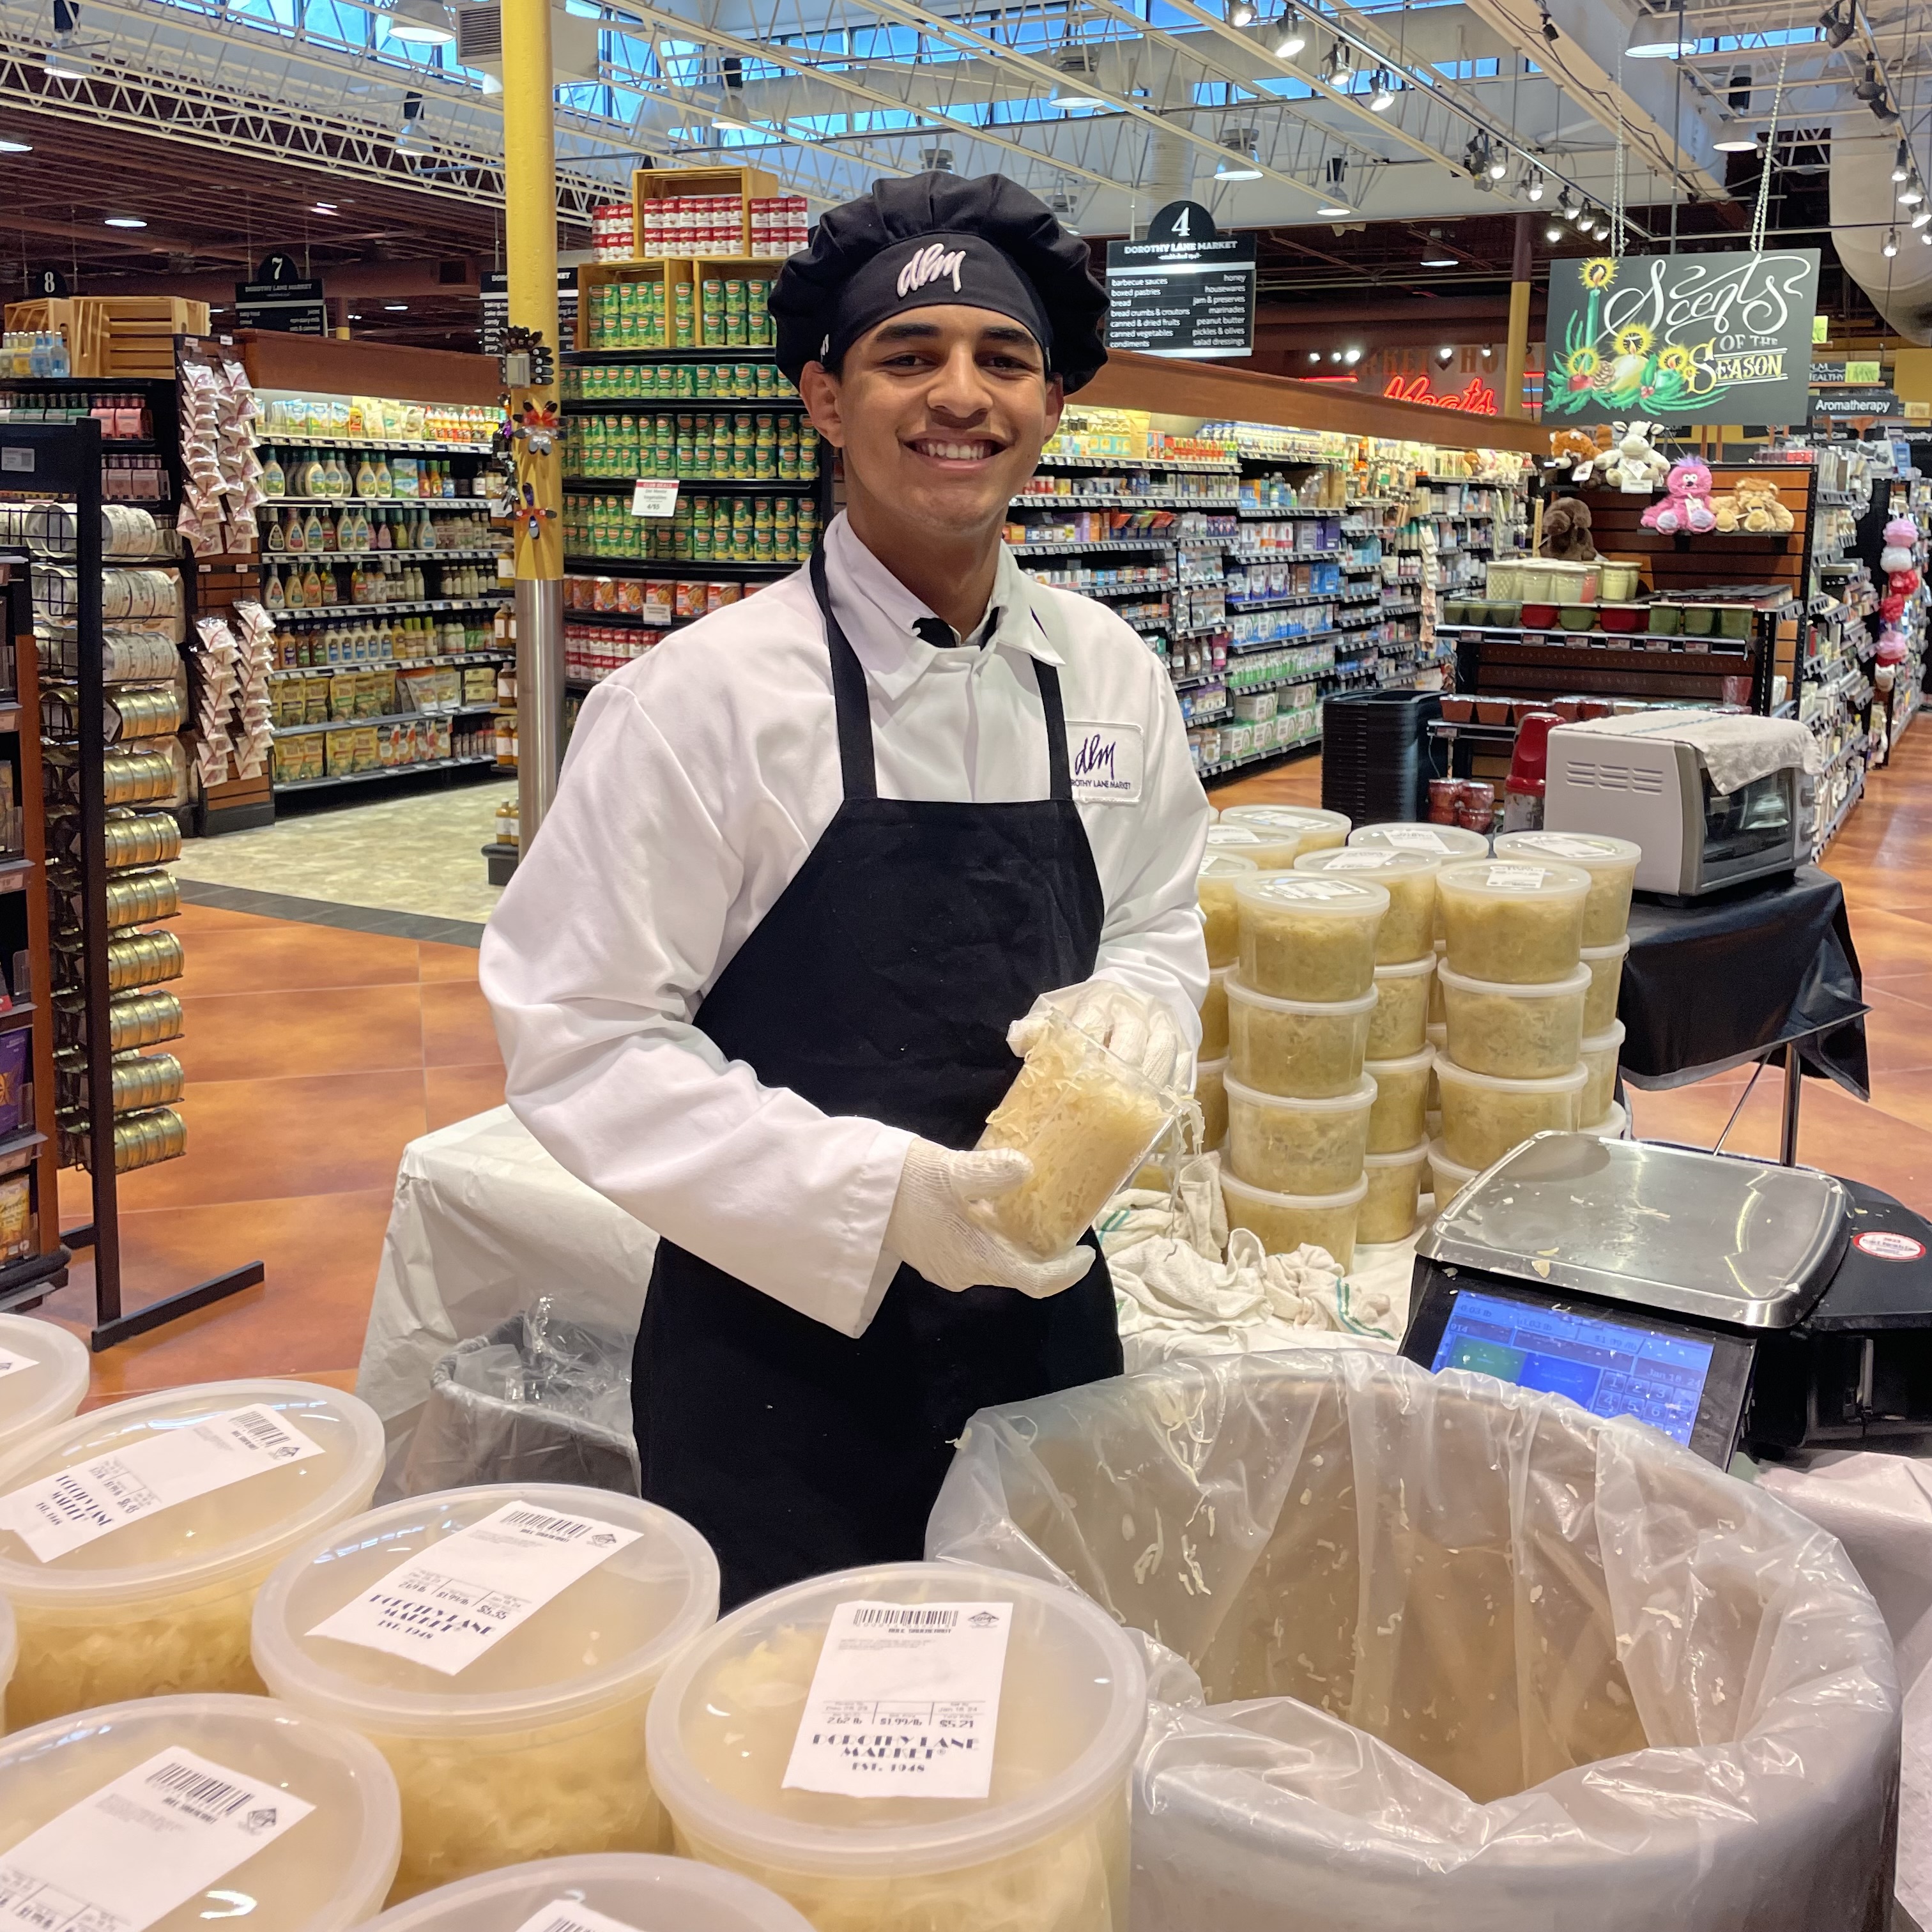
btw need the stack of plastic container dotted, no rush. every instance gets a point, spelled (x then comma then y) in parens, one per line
(1612, 864)
(1514, 991)
(1400, 1059)
(1221, 869)
(1300, 1003)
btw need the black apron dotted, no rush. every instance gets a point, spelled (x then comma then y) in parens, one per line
(881, 984)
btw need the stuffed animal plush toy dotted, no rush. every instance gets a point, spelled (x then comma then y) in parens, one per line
(1578, 449)
(1901, 574)
(1634, 464)
(1752, 505)
(1892, 648)
(1688, 506)
(1566, 530)
(1901, 534)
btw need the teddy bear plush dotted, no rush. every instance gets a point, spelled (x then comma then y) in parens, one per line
(1578, 449)
(1633, 464)
(1566, 530)
(1686, 506)
(1752, 506)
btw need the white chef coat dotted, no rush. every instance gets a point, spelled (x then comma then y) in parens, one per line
(697, 781)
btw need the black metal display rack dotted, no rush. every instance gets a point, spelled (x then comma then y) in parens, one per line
(99, 897)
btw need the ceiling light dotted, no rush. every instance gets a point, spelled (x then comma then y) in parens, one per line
(1554, 233)
(395, 308)
(1549, 27)
(1240, 169)
(322, 208)
(1739, 143)
(1911, 194)
(16, 147)
(1351, 356)
(1334, 210)
(1241, 14)
(1334, 354)
(124, 221)
(1891, 247)
(355, 318)
(1534, 184)
(1835, 24)
(1382, 95)
(1341, 66)
(1315, 356)
(1584, 215)
(1434, 255)
(1655, 36)
(1901, 163)
(1070, 99)
(1870, 87)
(1499, 164)
(1602, 230)
(421, 23)
(68, 63)
(1289, 36)
(937, 160)
(1445, 354)
(1925, 235)
(410, 137)
(1920, 216)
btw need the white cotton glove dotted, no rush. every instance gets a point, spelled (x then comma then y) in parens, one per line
(934, 1226)
(1129, 1024)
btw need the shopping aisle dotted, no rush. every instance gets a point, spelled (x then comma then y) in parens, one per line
(313, 1056)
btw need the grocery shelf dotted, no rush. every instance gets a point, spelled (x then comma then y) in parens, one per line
(335, 556)
(1282, 556)
(1249, 511)
(1118, 499)
(688, 567)
(1062, 547)
(387, 717)
(290, 439)
(692, 351)
(659, 405)
(595, 485)
(387, 609)
(372, 503)
(1197, 465)
(455, 659)
(381, 772)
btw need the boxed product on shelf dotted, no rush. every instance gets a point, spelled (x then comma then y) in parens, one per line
(286, 413)
(613, 231)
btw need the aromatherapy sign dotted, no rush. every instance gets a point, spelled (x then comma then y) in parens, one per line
(1682, 339)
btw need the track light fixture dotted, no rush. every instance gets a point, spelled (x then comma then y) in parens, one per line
(1921, 215)
(1554, 233)
(1911, 193)
(1341, 65)
(1901, 162)
(1534, 184)
(1241, 13)
(1290, 36)
(1549, 27)
(1835, 24)
(1870, 87)
(1382, 93)
(1565, 207)
(1891, 246)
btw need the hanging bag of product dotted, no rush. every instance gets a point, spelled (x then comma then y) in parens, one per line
(1436, 1651)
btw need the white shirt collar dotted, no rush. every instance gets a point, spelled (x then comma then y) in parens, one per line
(878, 613)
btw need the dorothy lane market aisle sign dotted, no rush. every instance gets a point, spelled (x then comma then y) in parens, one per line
(1683, 339)
(1187, 289)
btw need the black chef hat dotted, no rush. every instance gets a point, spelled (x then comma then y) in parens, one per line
(934, 238)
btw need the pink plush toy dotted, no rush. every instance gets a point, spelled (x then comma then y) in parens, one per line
(1891, 647)
(1901, 534)
(1687, 504)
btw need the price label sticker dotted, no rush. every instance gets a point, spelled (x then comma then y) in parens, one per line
(565, 1915)
(11, 1364)
(904, 1702)
(654, 497)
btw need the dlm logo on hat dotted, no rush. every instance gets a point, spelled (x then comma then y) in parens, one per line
(932, 264)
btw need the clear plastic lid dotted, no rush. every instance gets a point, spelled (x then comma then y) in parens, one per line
(646, 1894)
(1407, 969)
(1439, 1036)
(1572, 986)
(1358, 1099)
(1308, 894)
(1602, 955)
(1227, 836)
(1351, 860)
(1073, 1707)
(1246, 1190)
(604, 1635)
(289, 1457)
(1611, 1037)
(1407, 1157)
(329, 1869)
(1450, 1075)
(1277, 819)
(45, 1377)
(1409, 1063)
(1613, 1127)
(1445, 841)
(1514, 880)
(1244, 996)
(1590, 850)
(1454, 1172)
(1221, 865)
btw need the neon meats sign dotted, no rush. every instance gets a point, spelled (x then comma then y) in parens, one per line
(1478, 399)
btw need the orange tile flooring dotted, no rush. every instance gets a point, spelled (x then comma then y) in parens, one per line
(314, 1054)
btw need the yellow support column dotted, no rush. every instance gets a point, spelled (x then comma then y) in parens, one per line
(530, 232)
(1515, 356)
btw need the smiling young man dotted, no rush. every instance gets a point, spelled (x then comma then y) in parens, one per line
(816, 865)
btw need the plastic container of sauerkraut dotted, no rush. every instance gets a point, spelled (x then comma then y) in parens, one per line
(1268, 850)
(1214, 889)
(1613, 1127)
(1283, 1222)
(1395, 1183)
(1046, 1850)
(1447, 1178)
(1309, 1048)
(1514, 924)
(1401, 1100)
(1438, 1015)
(1612, 864)
(1297, 1147)
(49, 1383)
(534, 1749)
(1607, 979)
(1400, 1023)
(1086, 1120)
(1438, 1038)
(633, 1889)
(1211, 1090)
(1306, 937)
(1483, 1116)
(1445, 841)
(1599, 1054)
(327, 1871)
(1214, 1015)
(161, 1603)
(1408, 930)
(1311, 828)
(1521, 1033)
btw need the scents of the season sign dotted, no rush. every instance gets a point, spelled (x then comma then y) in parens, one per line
(1682, 339)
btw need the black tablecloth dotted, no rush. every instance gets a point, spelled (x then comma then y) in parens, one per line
(1709, 986)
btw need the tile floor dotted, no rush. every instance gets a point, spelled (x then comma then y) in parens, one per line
(314, 1053)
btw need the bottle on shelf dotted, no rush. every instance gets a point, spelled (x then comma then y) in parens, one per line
(275, 483)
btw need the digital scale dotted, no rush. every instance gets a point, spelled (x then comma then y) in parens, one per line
(1727, 1302)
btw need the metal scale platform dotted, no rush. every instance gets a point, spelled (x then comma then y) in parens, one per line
(1727, 1302)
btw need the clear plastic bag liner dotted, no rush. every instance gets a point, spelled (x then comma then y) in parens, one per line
(1434, 1651)
(539, 1399)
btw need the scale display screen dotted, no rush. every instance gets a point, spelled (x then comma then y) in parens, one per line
(1609, 1368)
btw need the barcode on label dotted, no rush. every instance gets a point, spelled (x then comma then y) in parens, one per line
(268, 1433)
(873, 1616)
(542, 1524)
(190, 1786)
(566, 1922)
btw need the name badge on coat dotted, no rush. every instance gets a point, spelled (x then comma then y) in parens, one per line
(1106, 762)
